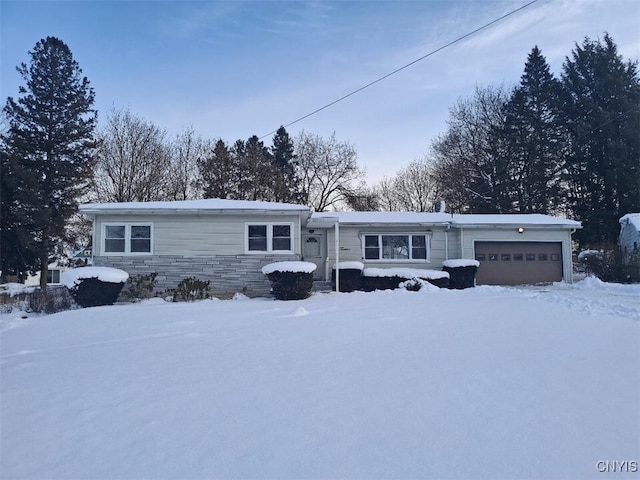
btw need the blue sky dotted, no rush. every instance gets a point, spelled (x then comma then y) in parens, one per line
(232, 69)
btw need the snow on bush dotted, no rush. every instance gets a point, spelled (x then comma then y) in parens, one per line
(460, 262)
(417, 284)
(291, 266)
(14, 289)
(73, 277)
(349, 266)
(405, 273)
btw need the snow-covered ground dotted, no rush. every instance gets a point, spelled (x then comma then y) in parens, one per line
(539, 382)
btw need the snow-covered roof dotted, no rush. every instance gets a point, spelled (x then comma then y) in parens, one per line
(326, 219)
(455, 220)
(205, 205)
(631, 218)
(530, 219)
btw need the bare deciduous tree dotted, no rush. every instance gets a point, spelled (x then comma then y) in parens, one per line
(412, 189)
(186, 150)
(328, 170)
(133, 161)
(468, 169)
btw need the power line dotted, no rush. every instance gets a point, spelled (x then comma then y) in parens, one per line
(459, 39)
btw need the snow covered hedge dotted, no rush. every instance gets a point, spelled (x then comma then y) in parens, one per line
(290, 280)
(94, 286)
(462, 272)
(391, 278)
(350, 274)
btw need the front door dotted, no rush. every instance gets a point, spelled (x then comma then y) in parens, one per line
(313, 250)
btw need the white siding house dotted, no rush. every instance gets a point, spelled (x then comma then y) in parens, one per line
(629, 238)
(228, 241)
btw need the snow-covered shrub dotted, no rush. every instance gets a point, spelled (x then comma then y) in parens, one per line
(610, 264)
(391, 278)
(350, 274)
(290, 280)
(462, 272)
(418, 285)
(94, 286)
(53, 299)
(191, 289)
(139, 287)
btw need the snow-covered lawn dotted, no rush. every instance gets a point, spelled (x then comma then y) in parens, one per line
(481, 383)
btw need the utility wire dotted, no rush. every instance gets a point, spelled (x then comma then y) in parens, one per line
(459, 39)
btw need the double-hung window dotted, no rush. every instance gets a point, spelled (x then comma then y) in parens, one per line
(396, 246)
(269, 237)
(127, 239)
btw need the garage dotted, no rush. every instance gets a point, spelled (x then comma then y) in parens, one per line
(518, 263)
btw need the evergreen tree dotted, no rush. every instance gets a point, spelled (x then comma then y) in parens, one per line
(49, 146)
(285, 186)
(217, 173)
(256, 180)
(532, 139)
(601, 114)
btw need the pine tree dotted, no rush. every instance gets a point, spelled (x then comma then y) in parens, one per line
(49, 144)
(217, 173)
(256, 173)
(601, 114)
(285, 187)
(532, 139)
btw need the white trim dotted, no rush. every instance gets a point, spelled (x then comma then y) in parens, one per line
(270, 225)
(127, 239)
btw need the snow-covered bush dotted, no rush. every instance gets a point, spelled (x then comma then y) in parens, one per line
(290, 280)
(391, 278)
(139, 287)
(350, 274)
(94, 286)
(610, 264)
(462, 272)
(191, 289)
(17, 296)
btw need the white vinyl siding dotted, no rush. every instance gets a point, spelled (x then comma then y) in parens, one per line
(269, 237)
(198, 234)
(127, 239)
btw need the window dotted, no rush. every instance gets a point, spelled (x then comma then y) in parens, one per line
(493, 257)
(395, 247)
(53, 276)
(517, 257)
(127, 239)
(269, 237)
(480, 257)
(531, 257)
(555, 257)
(505, 257)
(542, 257)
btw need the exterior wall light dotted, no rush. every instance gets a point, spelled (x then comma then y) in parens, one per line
(521, 230)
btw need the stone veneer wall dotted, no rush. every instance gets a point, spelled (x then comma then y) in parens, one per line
(228, 274)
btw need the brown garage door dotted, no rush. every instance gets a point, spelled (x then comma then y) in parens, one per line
(518, 263)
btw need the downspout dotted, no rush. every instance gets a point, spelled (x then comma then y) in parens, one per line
(446, 241)
(461, 242)
(337, 247)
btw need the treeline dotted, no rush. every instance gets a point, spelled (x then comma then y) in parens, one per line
(135, 161)
(567, 146)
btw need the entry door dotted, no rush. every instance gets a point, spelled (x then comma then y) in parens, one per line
(313, 251)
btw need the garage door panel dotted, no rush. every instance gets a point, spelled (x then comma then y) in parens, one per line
(518, 263)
